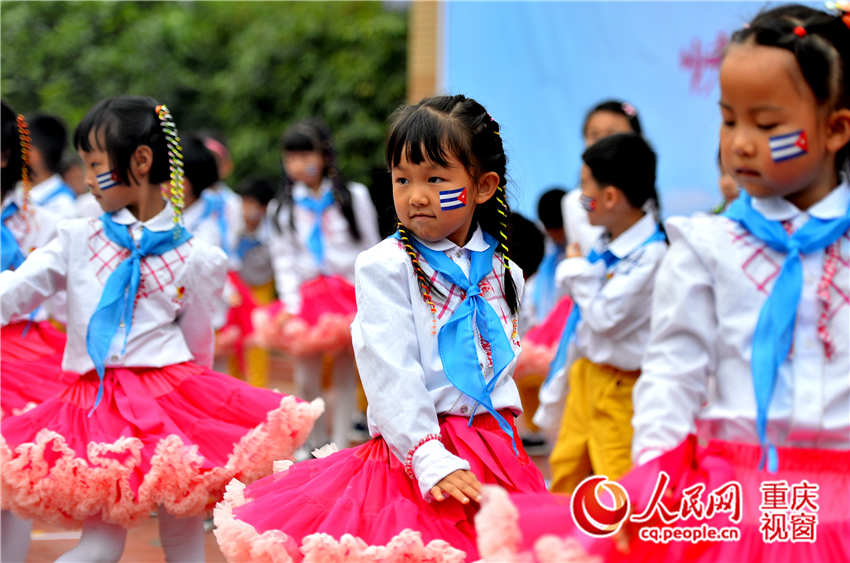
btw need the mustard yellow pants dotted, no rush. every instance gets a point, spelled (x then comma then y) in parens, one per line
(595, 437)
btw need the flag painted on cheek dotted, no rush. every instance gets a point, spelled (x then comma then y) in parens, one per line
(588, 203)
(452, 199)
(106, 180)
(791, 145)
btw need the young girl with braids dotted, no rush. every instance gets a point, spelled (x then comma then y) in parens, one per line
(744, 390)
(145, 425)
(320, 223)
(435, 340)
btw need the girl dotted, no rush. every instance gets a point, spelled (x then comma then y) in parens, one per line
(441, 396)
(612, 287)
(750, 343)
(320, 223)
(145, 424)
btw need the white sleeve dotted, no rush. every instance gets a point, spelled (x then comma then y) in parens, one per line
(618, 306)
(386, 349)
(282, 247)
(203, 284)
(365, 215)
(674, 376)
(42, 274)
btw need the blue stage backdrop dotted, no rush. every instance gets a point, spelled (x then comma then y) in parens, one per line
(538, 67)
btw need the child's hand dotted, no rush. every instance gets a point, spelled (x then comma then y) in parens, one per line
(460, 484)
(574, 250)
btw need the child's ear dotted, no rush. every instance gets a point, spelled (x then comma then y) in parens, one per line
(141, 161)
(610, 197)
(488, 183)
(838, 130)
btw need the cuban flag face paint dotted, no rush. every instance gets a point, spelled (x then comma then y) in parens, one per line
(587, 203)
(107, 180)
(791, 145)
(452, 199)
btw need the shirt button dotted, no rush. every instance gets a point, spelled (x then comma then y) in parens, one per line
(464, 409)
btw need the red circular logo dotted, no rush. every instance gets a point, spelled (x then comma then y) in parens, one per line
(589, 512)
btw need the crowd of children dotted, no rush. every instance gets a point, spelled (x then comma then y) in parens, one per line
(657, 360)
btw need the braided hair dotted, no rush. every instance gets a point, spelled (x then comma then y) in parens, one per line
(441, 126)
(820, 42)
(313, 135)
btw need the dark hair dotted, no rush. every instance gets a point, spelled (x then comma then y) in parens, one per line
(615, 106)
(530, 242)
(260, 189)
(441, 126)
(313, 135)
(627, 162)
(11, 150)
(119, 126)
(199, 164)
(50, 137)
(549, 208)
(822, 53)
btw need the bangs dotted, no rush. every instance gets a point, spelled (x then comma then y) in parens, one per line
(95, 129)
(299, 141)
(423, 135)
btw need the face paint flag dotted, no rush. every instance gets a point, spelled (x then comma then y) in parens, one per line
(587, 202)
(783, 147)
(452, 199)
(106, 180)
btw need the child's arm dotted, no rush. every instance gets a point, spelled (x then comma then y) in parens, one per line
(281, 247)
(674, 380)
(387, 352)
(365, 215)
(620, 305)
(41, 275)
(199, 291)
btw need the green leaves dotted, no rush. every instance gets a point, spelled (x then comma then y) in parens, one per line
(245, 69)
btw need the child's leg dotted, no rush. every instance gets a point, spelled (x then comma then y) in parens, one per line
(569, 459)
(16, 537)
(182, 539)
(345, 399)
(611, 430)
(307, 373)
(100, 543)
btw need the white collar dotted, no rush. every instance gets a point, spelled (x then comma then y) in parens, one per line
(162, 221)
(634, 236)
(44, 189)
(776, 208)
(300, 189)
(476, 242)
(16, 198)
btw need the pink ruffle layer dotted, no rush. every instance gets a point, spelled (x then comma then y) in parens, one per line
(171, 436)
(359, 505)
(545, 519)
(30, 365)
(323, 325)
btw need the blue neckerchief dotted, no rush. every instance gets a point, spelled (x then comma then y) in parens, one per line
(214, 206)
(774, 332)
(119, 294)
(62, 188)
(544, 282)
(315, 243)
(246, 244)
(570, 327)
(11, 254)
(456, 338)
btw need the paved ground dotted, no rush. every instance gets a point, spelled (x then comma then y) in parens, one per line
(143, 546)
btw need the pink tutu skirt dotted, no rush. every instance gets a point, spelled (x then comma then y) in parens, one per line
(541, 342)
(323, 325)
(171, 436)
(30, 365)
(359, 505)
(547, 519)
(231, 338)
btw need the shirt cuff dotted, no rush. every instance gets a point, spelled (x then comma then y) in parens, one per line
(431, 462)
(577, 267)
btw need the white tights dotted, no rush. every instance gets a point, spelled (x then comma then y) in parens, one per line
(182, 540)
(15, 541)
(308, 385)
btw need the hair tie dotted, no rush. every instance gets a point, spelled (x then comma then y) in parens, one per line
(629, 109)
(175, 163)
(800, 31)
(26, 147)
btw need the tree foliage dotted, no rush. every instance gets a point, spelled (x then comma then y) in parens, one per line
(246, 69)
